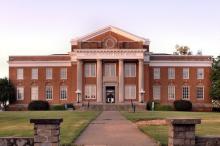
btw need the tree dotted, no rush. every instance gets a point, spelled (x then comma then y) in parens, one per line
(7, 92)
(215, 79)
(182, 50)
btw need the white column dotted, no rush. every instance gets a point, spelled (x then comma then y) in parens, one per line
(141, 79)
(121, 80)
(79, 78)
(99, 80)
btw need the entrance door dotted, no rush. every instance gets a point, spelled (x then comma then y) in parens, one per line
(110, 94)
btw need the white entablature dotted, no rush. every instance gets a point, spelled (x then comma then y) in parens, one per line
(107, 54)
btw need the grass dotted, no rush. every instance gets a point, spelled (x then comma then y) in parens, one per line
(210, 123)
(18, 123)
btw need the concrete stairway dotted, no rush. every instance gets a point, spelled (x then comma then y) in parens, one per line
(110, 106)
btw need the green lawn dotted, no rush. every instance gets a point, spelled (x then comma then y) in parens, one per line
(17, 123)
(210, 122)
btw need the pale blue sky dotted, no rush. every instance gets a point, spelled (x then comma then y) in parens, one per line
(41, 27)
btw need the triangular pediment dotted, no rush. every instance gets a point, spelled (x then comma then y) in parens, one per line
(112, 31)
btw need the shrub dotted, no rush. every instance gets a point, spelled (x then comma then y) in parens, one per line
(58, 107)
(160, 107)
(149, 105)
(216, 109)
(70, 106)
(38, 105)
(183, 105)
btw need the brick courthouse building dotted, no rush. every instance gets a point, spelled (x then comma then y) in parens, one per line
(111, 66)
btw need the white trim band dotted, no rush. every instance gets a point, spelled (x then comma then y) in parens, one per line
(38, 63)
(181, 63)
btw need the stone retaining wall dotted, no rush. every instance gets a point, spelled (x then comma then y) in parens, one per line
(182, 133)
(16, 141)
(207, 141)
(46, 133)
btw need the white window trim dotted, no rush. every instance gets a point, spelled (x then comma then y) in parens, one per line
(186, 68)
(63, 76)
(188, 92)
(33, 77)
(156, 77)
(47, 76)
(130, 96)
(21, 87)
(90, 85)
(46, 93)
(157, 98)
(169, 75)
(20, 76)
(105, 69)
(203, 93)
(32, 92)
(89, 74)
(174, 92)
(203, 73)
(129, 75)
(61, 93)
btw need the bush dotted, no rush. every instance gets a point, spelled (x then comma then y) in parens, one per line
(38, 105)
(58, 107)
(149, 105)
(70, 106)
(159, 107)
(183, 105)
(216, 109)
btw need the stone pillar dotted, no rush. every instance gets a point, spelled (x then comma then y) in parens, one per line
(121, 80)
(79, 79)
(182, 132)
(141, 79)
(46, 132)
(99, 80)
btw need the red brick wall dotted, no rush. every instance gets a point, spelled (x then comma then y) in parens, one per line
(192, 82)
(56, 82)
(148, 83)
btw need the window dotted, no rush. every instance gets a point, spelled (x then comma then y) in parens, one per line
(110, 69)
(185, 92)
(20, 93)
(90, 91)
(171, 73)
(130, 92)
(34, 73)
(63, 92)
(200, 92)
(90, 70)
(49, 92)
(185, 73)
(156, 73)
(200, 73)
(156, 92)
(63, 73)
(49, 73)
(34, 93)
(130, 70)
(20, 74)
(171, 92)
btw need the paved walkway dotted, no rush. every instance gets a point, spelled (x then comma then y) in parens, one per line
(112, 129)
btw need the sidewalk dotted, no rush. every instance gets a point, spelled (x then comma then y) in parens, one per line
(112, 129)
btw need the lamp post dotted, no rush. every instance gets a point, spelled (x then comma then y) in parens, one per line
(78, 92)
(142, 92)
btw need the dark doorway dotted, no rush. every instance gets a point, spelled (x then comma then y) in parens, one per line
(110, 94)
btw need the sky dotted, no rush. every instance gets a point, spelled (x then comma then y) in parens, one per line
(43, 27)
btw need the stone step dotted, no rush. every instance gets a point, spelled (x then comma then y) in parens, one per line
(111, 107)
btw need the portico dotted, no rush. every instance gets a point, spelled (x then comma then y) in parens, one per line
(110, 71)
